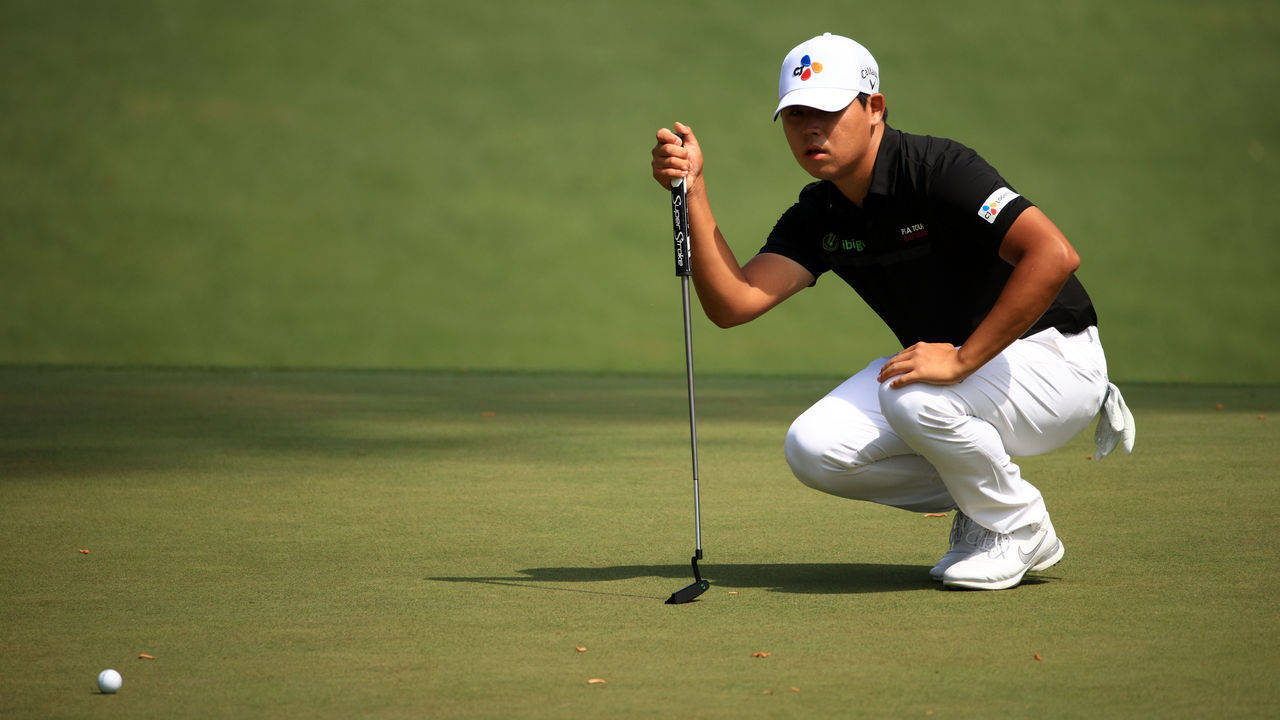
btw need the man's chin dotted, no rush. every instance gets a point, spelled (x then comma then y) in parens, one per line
(821, 171)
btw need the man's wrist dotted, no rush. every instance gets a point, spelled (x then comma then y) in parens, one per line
(969, 364)
(697, 188)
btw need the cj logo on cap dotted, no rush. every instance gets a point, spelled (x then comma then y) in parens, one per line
(806, 69)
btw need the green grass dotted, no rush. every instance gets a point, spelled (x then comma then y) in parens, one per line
(429, 184)
(376, 544)
(410, 184)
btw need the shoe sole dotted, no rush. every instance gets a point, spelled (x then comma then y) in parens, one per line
(1007, 583)
(977, 585)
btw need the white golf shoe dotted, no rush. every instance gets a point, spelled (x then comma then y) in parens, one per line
(1003, 558)
(964, 541)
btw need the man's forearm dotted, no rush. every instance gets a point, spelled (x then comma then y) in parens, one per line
(717, 276)
(1031, 288)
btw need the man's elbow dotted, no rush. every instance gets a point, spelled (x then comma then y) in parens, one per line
(724, 321)
(727, 317)
(1059, 255)
(1070, 259)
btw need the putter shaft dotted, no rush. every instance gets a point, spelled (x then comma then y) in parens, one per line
(693, 423)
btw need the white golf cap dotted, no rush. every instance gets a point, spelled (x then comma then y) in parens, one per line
(826, 72)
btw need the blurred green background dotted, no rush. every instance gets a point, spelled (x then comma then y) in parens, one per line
(446, 185)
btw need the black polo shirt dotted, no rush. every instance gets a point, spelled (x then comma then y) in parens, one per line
(923, 250)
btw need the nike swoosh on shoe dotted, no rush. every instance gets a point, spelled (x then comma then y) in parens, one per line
(1026, 558)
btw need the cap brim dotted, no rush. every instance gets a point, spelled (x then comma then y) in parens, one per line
(820, 98)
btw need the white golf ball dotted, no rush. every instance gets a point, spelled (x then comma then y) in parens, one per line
(109, 681)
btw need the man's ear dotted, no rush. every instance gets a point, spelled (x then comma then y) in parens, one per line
(875, 103)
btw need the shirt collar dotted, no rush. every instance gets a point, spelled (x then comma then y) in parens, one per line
(884, 173)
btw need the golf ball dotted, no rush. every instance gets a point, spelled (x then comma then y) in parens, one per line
(109, 681)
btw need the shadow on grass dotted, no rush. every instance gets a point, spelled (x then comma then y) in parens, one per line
(79, 421)
(802, 578)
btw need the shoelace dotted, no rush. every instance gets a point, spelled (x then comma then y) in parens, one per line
(993, 543)
(965, 530)
(989, 541)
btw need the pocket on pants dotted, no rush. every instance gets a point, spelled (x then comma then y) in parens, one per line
(1052, 339)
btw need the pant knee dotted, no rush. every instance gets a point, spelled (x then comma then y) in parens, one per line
(810, 453)
(828, 461)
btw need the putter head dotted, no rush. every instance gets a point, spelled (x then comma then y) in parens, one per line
(688, 593)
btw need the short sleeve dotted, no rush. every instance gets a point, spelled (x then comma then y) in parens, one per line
(795, 235)
(969, 193)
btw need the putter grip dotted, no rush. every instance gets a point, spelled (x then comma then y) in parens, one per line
(680, 227)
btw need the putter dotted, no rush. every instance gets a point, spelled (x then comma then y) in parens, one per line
(684, 268)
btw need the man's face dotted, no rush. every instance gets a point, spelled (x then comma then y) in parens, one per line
(831, 145)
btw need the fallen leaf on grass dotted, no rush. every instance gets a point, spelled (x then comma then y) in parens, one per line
(488, 413)
(1262, 417)
(733, 592)
(795, 689)
(766, 692)
(144, 656)
(1038, 656)
(579, 648)
(83, 551)
(595, 681)
(1088, 457)
(1218, 406)
(760, 654)
(935, 514)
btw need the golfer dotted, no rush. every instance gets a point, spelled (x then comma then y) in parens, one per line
(1002, 355)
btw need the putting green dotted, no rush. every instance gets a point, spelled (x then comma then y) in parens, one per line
(302, 544)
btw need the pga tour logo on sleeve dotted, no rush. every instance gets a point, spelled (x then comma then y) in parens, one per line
(992, 206)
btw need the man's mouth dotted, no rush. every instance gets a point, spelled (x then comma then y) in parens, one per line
(814, 151)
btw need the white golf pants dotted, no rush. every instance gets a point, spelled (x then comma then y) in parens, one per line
(932, 448)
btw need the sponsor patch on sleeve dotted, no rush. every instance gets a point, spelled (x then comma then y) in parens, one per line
(992, 206)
